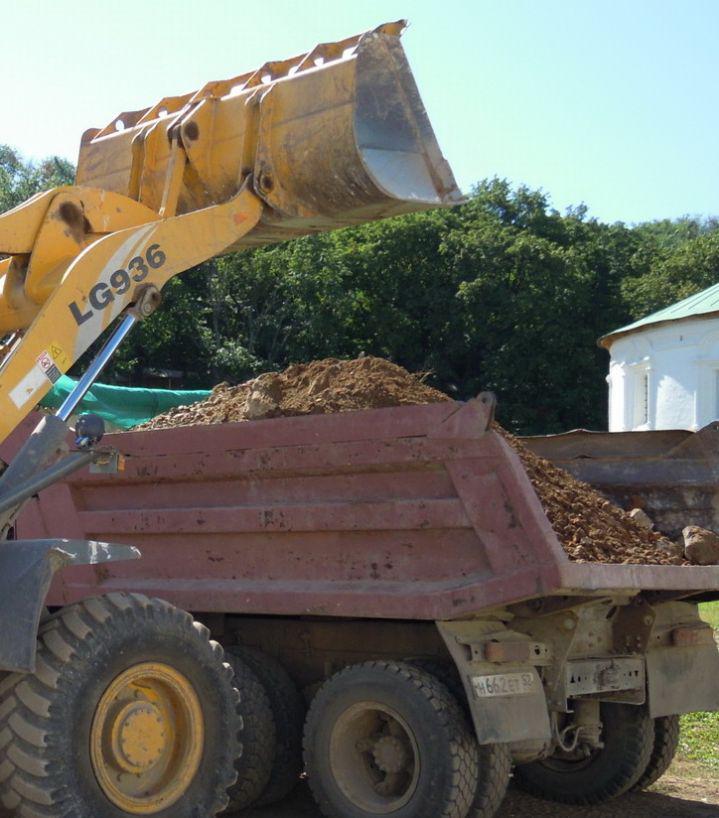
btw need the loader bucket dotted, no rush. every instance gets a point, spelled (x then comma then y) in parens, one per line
(332, 138)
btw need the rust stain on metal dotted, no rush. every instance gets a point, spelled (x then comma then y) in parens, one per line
(102, 573)
(77, 224)
(192, 131)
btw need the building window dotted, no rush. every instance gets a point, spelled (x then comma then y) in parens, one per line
(716, 395)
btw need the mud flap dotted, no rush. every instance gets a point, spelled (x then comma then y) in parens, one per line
(683, 680)
(508, 703)
(26, 570)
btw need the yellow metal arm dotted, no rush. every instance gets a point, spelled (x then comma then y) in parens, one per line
(101, 282)
(333, 137)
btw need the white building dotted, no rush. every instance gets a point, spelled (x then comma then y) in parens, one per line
(664, 369)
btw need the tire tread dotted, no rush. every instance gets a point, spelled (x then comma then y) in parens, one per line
(288, 710)
(30, 778)
(666, 744)
(635, 742)
(495, 760)
(463, 751)
(255, 763)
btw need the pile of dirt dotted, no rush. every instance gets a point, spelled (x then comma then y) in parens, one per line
(590, 528)
(318, 388)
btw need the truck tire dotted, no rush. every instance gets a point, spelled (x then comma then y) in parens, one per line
(628, 736)
(446, 673)
(666, 744)
(254, 764)
(288, 710)
(131, 711)
(495, 760)
(384, 737)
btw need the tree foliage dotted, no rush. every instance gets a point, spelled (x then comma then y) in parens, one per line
(674, 274)
(501, 293)
(19, 180)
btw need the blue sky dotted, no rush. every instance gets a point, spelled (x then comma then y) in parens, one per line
(609, 103)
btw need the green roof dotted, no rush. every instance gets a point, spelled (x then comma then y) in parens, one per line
(699, 305)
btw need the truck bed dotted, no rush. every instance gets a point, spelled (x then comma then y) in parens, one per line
(416, 512)
(671, 474)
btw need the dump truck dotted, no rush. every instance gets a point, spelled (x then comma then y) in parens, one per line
(670, 474)
(396, 566)
(122, 705)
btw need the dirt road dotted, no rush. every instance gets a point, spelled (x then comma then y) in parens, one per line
(676, 797)
(679, 795)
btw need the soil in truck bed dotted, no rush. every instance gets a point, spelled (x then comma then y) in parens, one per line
(590, 527)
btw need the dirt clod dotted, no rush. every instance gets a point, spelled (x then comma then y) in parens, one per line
(701, 546)
(640, 516)
(590, 528)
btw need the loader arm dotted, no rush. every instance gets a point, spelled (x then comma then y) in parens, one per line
(334, 137)
(101, 283)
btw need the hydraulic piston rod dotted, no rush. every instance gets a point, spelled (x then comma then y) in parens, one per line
(101, 360)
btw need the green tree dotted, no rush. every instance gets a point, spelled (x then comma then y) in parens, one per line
(669, 276)
(502, 293)
(19, 179)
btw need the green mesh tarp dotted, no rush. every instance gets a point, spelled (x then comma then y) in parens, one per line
(123, 406)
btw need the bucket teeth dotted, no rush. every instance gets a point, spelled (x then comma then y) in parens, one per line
(332, 137)
(275, 69)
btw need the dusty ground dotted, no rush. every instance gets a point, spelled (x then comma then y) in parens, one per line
(683, 793)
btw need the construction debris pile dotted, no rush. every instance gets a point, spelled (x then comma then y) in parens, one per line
(318, 388)
(590, 528)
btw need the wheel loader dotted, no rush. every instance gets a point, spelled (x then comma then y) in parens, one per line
(122, 705)
(395, 564)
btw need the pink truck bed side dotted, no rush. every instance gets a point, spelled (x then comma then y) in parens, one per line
(415, 512)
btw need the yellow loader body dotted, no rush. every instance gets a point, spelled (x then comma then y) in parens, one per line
(328, 139)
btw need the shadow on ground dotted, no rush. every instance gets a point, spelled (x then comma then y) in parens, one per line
(685, 799)
(517, 805)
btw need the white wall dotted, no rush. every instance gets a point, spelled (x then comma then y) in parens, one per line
(665, 377)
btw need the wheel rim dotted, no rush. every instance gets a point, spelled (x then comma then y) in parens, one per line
(147, 738)
(374, 757)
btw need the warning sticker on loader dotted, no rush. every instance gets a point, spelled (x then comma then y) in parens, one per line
(58, 354)
(48, 367)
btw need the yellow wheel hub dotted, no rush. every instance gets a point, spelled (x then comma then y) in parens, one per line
(147, 738)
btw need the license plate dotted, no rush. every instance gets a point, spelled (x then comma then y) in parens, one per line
(504, 684)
